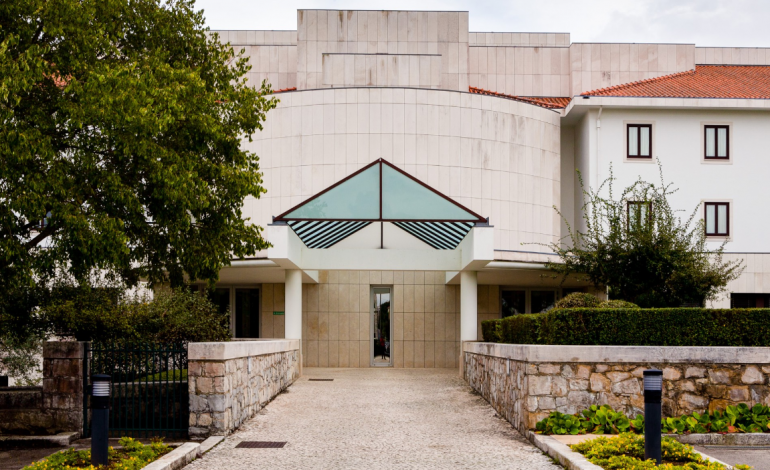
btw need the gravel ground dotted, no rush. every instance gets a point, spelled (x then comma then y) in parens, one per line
(378, 419)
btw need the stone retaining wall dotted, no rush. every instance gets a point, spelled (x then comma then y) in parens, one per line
(55, 407)
(525, 383)
(230, 382)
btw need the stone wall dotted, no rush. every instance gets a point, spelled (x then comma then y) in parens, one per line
(55, 407)
(230, 382)
(525, 383)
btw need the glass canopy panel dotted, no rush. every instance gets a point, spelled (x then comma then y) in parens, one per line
(405, 199)
(356, 198)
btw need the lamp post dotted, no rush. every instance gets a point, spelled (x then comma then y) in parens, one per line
(100, 419)
(653, 394)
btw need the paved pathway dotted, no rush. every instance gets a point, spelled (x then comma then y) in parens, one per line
(378, 419)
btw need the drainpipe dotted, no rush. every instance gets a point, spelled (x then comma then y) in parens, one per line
(595, 183)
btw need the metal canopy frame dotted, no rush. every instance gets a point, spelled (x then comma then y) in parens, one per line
(440, 234)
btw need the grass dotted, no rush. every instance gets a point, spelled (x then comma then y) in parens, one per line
(171, 376)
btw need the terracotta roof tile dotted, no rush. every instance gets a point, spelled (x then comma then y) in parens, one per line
(285, 89)
(706, 81)
(543, 101)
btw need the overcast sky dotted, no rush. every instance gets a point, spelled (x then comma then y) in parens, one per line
(703, 22)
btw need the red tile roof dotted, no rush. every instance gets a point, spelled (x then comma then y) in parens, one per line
(706, 81)
(285, 89)
(543, 101)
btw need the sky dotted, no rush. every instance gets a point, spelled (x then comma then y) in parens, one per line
(726, 23)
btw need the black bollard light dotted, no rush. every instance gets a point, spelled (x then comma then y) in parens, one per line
(100, 419)
(653, 394)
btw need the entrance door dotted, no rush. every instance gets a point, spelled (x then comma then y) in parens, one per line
(246, 313)
(381, 330)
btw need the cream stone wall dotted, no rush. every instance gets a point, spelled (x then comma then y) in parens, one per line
(272, 299)
(382, 32)
(595, 65)
(732, 55)
(498, 157)
(520, 70)
(336, 319)
(272, 55)
(518, 39)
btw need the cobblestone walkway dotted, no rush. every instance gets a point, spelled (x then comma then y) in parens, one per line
(378, 419)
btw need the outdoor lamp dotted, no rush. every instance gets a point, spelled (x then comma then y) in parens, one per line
(653, 393)
(100, 418)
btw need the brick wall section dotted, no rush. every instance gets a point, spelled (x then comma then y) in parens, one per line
(20, 411)
(525, 391)
(227, 388)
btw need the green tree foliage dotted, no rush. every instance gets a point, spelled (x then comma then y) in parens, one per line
(170, 316)
(121, 123)
(643, 252)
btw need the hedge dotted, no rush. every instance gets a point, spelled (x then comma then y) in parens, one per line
(635, 327)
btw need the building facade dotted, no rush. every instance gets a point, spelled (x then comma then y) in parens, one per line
(414, 169)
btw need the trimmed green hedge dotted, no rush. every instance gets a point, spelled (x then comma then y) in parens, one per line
(633, 326)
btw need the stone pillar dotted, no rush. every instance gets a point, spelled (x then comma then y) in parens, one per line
(293, 304)
(468, 312)
(63, 385)
(468, 306)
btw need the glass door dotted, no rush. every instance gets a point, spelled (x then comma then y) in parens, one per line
(246, 313)
(381, 331)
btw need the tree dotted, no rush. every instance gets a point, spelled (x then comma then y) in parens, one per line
(637, 247)
(121, 124)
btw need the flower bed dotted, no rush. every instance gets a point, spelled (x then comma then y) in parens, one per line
(133, 456)
(605, 420)
(627, 452)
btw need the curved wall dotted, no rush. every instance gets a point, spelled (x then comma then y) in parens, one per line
(498, 157)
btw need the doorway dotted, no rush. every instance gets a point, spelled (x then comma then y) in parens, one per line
(381, 330)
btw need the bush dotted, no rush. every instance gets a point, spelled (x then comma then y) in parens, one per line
(490, 331)
(627, 452)
(618, 304)
(171, 316)
(640, 327)
(133, 456)
(578, 300)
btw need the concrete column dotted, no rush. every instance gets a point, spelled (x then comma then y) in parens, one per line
(293, 304)
(468, 309)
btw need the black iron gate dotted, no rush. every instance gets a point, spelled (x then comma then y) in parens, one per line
(149, 395)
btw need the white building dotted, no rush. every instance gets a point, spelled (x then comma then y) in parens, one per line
(446, 152)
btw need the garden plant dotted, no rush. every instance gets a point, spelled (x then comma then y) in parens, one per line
(603, 419)
(132, 456)
(626, 452)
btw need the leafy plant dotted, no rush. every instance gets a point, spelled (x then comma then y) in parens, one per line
(578, 300)
(626, 452)
(604, 420)
(649, 256)
(559, 423)
(617, 303)
(133, 456)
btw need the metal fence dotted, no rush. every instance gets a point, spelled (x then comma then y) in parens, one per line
(149, 395)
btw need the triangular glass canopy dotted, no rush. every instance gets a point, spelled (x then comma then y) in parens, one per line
(380, 192)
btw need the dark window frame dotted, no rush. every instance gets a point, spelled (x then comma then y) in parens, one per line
(716, 128)
(716, 220)
(638, 155)
(630, 204)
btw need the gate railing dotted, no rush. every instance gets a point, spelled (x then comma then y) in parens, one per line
(149, 395)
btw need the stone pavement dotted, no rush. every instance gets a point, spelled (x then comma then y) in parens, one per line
(378, 419)
(756, 457)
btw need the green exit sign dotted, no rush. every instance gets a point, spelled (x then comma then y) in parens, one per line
(277, 313)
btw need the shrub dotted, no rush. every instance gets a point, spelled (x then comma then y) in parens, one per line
(618, 304)
(490, 331)
(627, 452)
(578, 300)
(640, 327)
(170, 316)
(133, 456)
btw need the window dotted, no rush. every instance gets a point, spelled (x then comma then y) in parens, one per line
(542, 300)
(514, 302)
(639, 212)
(717, 219)
(639, 141)
(749, 300)
(717, 142)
